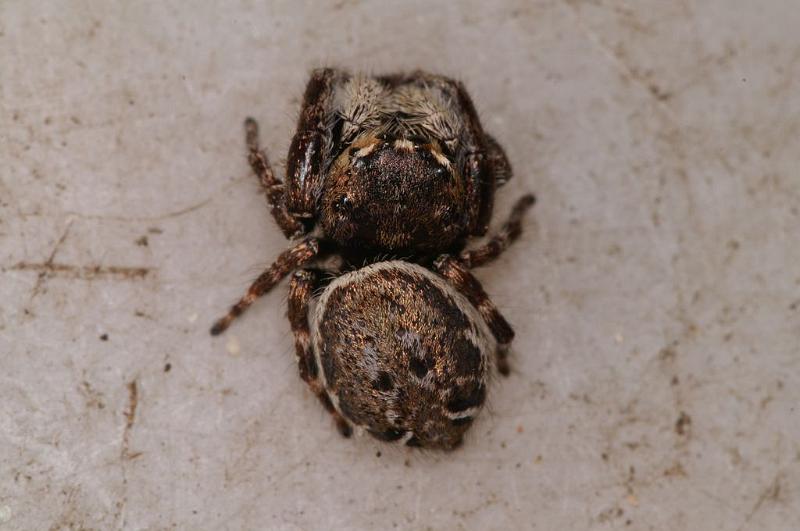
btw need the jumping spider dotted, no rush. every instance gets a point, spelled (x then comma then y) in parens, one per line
(393, 165)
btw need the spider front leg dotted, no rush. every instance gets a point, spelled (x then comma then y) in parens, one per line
(289, 260)
(459, 276)
(306, 153)
(301, 289)
(498, 243)
(478, 167)
(272, 186)
(498, 161)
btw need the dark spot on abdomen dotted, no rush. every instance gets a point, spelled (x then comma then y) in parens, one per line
(384, 382)
(418, 367)
(466, 398)
(467, 357)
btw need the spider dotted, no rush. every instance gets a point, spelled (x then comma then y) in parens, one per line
(395, 165)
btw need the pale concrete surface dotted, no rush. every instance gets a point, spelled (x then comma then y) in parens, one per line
(656, 291)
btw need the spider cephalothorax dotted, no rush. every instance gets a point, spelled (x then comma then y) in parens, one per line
(394, 194)
(375, 142)
(390, 165)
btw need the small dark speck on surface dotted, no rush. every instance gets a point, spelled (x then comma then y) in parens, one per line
(683, 424)
(167, 367)
(133, 402)
(667, 354)
(142, 241)
(104, 337)
(659, 93)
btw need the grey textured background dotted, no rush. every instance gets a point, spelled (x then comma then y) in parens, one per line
(655, 293)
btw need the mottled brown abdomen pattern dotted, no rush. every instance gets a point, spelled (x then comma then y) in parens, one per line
(402, 354)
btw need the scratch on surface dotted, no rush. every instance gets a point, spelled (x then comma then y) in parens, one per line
(683, 424)
(40, 280)
(79, 272)
(125, 453)
(772, 492)
(130, 419)
(657, 94)
(167, 215)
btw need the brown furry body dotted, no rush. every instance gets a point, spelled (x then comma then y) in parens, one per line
(395, 165)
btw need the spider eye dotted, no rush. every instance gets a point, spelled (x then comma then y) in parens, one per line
(440, 172)
(343, 204)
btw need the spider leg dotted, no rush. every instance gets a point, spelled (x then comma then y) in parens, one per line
(498, 161)
(304, 166)
(498, 243)
(301, 290)
(459, 276)
(478, 168)
(287, 261)
(272, 186)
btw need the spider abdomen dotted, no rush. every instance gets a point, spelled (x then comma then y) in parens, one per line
(402, 354)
